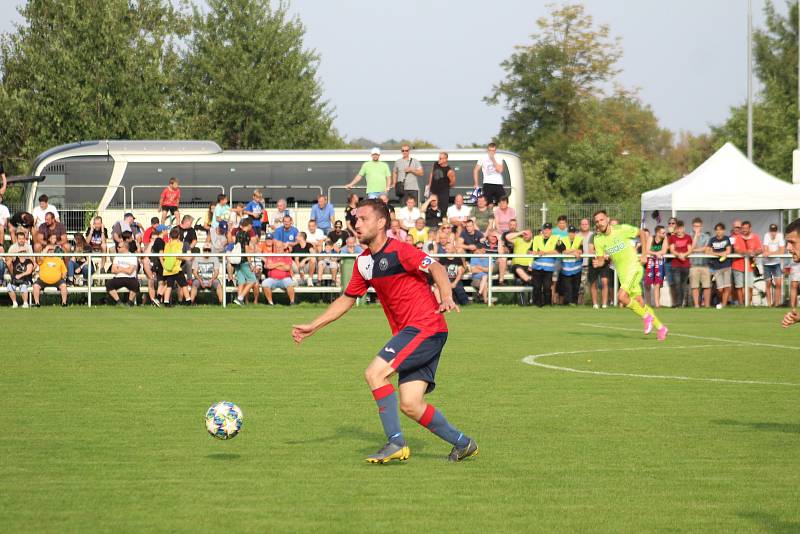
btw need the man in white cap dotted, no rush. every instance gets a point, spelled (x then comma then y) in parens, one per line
(377, 173)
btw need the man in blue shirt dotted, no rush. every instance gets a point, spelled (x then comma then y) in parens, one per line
(479, 267)
(322, 212)
(286, 233)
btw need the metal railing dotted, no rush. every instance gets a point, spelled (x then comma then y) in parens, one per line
(537, 214)
(332, 189)
(317, 190)
(193, 203)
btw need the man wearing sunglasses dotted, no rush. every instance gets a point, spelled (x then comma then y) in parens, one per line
(405, 173)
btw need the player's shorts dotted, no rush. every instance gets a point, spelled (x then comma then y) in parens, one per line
(415, 354)
(170, 209)
(631, 283)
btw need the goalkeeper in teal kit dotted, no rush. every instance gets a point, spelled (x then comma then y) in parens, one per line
(615, 242)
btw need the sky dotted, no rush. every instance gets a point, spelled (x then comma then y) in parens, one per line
(420, 68)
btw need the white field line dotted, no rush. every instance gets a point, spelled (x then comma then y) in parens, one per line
(532, 360)
(732, 342)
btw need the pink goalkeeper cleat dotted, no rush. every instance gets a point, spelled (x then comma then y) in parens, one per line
(648, 323)
(662, 333)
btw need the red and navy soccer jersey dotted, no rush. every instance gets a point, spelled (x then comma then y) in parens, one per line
(398, 273)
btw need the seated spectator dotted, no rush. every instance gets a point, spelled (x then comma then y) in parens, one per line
(97, 237)
(21, 221)
(479, 268)
(219, 238)
(396, 231)
(20, 269)
(286, 233)
(79, 265)
(172, 269)
(508, 244)
(169, 201)
(773, 245)
(385, 199)
(255, 210)
(351, 247)
(51, 228)
(125, 268)
(155, 222)
(246, 281)
(419, 233)
(503, 214)
(455, 273)
(208, 219)
(279, 274)
(720, 246)
(470, 237)
(329, 264)
(433, 213)
(569, 279)
(337, 236)
(43, 209)
(304, 266)
(52, 271)
(408, 214)
(322, 213)
(279, 213)
(459, 213)
(235, 216)
(500, 265)
(522, 243)
(483, 215)
(188, 233)
(257, 263)
(205, 271)
(127, 224)
(315, 236)
(221, 211)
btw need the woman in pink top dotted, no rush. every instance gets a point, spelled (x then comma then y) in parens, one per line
(503, 214)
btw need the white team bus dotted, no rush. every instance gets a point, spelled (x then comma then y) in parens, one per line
(112, 177)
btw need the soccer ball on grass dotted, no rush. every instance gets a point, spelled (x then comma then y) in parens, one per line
(224, 420)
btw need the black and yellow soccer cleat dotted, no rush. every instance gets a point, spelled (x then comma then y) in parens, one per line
(390, 451)
(456, 455)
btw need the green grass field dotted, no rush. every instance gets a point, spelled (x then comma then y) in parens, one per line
(108, 433)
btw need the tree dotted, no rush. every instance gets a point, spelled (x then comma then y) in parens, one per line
(248, 82)
(78, 70)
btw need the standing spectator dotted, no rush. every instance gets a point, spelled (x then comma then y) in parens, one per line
(479, 268)
(585, 231)
(492, 167)
(377, 173)
(562, 228)
(419, 233)
(21, 221)
(124, 267)
(455, 273)
(720, 246)
(279, 274)
(322, 212)
(408, 214)
(337, 236)
(680, 245)
(350, 212)
(255, 209)
(459, 213)
(315, 236)
(599, 278)
(305, 266)
(433, 214)
(654, 268)
(51, 228)
(221, 211)
(503, 214)
(52, 271)
(5, 215)
(748, 244)
(699, 273)
(169, 201)
(773, 245)
(205, 271)
(246, 238)
(440, 180)
(405, 172)
(172, 268)
(484, 215)
(43, 209)
(20, 269)
(470, 238)
(281, 211)
(396, 231)
(286, 233)
(544, 247)
(671, 223)
(569, 279)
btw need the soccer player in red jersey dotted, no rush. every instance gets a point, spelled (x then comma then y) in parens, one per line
(398, 273)
(170, 200)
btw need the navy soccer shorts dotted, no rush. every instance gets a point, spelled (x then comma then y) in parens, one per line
(415, 354)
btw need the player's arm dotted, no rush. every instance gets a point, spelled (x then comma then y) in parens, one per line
(439, 275)
(337, 308)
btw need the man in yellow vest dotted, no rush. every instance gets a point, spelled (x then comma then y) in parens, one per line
(544, 248)
(569, 279)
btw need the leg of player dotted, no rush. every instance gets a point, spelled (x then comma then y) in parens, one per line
(636, 304)
(377, 375)
(412, 403)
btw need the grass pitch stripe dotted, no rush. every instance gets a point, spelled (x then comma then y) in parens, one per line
(690, 336)
(532, 360)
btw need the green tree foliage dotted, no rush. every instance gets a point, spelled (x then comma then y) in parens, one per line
(247, 81)
(775, 109)
(79, 70)
(582, 137)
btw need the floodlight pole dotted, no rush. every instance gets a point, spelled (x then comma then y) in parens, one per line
(750, 80)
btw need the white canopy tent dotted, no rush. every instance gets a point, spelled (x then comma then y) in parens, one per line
(726, 186)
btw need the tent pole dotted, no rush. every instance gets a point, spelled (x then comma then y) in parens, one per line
(750, 80)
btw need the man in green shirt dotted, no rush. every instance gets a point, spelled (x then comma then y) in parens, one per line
(616, 243)
(377, 173)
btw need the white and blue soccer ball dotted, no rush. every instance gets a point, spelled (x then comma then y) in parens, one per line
(224, 420)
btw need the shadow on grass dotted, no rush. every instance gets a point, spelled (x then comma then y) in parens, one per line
(373, 441)
(224, 456)
(770, 522)
(606, 334)
(789, 428)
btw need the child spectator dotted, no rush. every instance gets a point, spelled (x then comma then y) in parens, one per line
(328, 264)
(172, 268)
(79, 265)
(654, 268)
(221, 211)
(720, 246)
(680, 245)
(169, 201)
(255, 209)
(246, 238)
(20, 269)
(43, 209)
